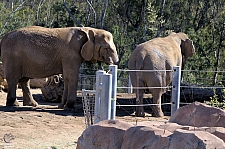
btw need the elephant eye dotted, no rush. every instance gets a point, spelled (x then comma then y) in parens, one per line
(107, 50)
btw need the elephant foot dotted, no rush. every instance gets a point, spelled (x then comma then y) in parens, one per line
(32, 103)
(157, 111)
(157, 114)
(140, 113)
(61, 106)
(14, 103)
(68, 106)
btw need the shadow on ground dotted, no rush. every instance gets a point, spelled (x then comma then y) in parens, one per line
(45, 106)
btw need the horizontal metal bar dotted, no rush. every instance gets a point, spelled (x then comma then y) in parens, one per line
(144, 70)
(142, 105)
(144, 87)
(202, 87)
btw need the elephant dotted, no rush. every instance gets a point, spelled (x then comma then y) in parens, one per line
(162, 53)
(39, 52)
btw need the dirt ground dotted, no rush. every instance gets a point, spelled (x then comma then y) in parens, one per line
(47, 127)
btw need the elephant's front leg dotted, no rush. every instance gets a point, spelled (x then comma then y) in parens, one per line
(69, 93)
(64, 97)
(71, 77)
(72, 93)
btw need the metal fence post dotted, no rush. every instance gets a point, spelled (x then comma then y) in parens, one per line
(113, 71)
(130, 89)
(176, 89)
(105, 112)
(97, 96)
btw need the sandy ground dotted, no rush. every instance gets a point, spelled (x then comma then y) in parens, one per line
(47, 127)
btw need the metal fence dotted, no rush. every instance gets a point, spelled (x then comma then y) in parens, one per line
(194, 85)
(105, 96)
(88, 100)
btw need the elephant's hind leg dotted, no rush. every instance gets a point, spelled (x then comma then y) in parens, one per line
(27, 96)
(156, 109)
(139, 101)
(137, 82)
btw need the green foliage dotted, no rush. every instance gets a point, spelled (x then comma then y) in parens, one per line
(133, 22)
(218, 100)
(215, 103)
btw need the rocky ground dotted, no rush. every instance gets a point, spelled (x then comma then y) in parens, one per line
(47, 127)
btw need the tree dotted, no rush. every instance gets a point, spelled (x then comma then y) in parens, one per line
(132, 22)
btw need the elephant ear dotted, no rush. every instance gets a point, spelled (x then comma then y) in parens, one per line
(187, 48)
(87, 50)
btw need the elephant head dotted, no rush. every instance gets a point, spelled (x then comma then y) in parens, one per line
(99, 46)
(186, 45)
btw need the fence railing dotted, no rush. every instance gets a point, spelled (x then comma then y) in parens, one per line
(100, 92)
(105, 95)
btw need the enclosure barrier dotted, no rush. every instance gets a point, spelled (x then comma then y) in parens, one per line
(88, 100)
(175, 89)
(175, 100)
(104, 98)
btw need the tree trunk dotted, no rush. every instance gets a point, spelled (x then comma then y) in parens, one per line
(104, 12)
(218, 56)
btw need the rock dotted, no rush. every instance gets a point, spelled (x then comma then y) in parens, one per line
(171, 127)
(106, 134)
(150, 123)
(140, 137)
(199, 115)
(38, 82)
(115, 134)
(217, 131)
(3, 82)
(195, 126)
(183, 139)
(53, 88)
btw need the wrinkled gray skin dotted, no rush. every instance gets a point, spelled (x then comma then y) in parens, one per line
(157, 54)
(37, 52)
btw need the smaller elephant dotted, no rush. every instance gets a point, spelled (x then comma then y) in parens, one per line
(157, 54)
(38, 52)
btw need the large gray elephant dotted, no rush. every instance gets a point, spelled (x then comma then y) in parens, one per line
(37, 52)
(157, 54)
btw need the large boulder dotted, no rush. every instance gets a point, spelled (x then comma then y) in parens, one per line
(53, 88)
(216, 131)
(103, 135)
(172, 127)
(183, 139)
(3, 82)
(38, 82)
(140, 137)
(199, 115)
(195, 126)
